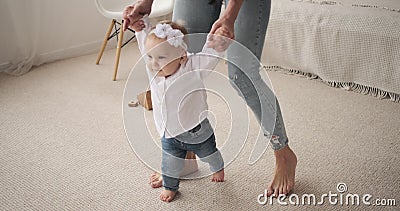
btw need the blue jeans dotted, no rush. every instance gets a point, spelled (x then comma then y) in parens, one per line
(174, 153)
(250, 30)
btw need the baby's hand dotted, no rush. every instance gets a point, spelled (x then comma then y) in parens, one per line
(137, 26)
(223, 31)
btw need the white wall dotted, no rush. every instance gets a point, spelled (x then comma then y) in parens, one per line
(51, 29)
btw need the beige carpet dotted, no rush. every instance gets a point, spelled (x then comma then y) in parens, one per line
(63, 145)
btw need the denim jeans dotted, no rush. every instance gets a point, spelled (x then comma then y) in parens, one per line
(174, 153)
(197, 16)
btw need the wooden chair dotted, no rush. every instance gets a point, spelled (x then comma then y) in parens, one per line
(159, 9)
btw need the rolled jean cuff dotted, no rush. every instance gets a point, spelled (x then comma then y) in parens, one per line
(278, 143)
(218, 167)
(171, 189)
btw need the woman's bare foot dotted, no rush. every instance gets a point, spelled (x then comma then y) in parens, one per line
(167, 195)
(218, 176)
(285, 169)
(155, 180)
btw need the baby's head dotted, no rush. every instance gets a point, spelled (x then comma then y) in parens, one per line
(166, 48)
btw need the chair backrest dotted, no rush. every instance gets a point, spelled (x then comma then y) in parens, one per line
(161, 8)
(113, 8)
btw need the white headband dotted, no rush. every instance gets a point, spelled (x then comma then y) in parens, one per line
(173, 36)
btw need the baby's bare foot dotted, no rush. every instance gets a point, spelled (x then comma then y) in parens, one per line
(218, 176)
(167, 195)
(155, 180)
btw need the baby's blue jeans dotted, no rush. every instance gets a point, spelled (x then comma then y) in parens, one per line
(175, 149)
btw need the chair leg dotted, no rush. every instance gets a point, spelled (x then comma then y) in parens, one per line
(119, 46)
(103, 46)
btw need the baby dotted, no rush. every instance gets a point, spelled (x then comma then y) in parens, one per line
(179, 99)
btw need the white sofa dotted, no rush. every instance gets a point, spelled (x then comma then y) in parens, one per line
(352, 44)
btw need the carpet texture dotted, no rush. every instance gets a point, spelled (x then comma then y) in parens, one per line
(63, 145)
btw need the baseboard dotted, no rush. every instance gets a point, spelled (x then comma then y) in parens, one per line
(5, 65)
(75, 51)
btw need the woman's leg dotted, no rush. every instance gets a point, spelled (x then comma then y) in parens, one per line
(250, 30)
(244, 66)
(197, 16)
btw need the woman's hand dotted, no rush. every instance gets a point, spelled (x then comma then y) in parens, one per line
(224, 27)
(135, 12)
(221, 34)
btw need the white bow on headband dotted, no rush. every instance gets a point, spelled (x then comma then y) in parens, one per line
(173, 36)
